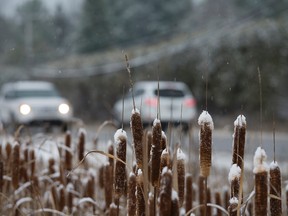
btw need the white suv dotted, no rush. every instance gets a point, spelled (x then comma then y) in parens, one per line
(33, 103)
(173, 96)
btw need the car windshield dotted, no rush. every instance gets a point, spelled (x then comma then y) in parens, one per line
(169, 93)
(31, 93)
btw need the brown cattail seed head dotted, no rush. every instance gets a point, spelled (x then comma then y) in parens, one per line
(261, 183)
(239, 140)
(101, 176)
(165, 160)
(201, 193)
(120, 139)
(156, 152)
(137, 134)
(165, 192)
(69, 201)
(1, 175)
(233, 204)
(164, 141)
(149, 143)
(90, 187)
(181, 175)
(140, 200)
(108, 173)
(189, 193)
(218, 202)
(113, 210)
(16, 165)
(68, 152)
(51, 164)
(33, 162)
(175, 208)
(81, 144)
(205, 156)
(131, 200)
(275, 189)
(234, 180)
(61, 197)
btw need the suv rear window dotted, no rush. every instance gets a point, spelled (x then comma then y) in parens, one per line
(31, 93)
(175, 93)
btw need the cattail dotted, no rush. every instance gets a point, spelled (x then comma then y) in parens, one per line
(156, 152)
(234, 180)
(206, 123)
(55, 198)
(218, 202)
(226, 198)
(261, 183)
(239, 140)
(8, 150)
(113, 210)
(151, 204)
(275, 189)
(110, 159)
(68, 153)
(23, 174)
(233, 204)
(140, 201)
(165, 192)
(108, 188)
(120, 139)
(81, 144)
(189, 193)
(33, 162)
(137, 134)
(149, 143)
(16, 165)
(131, 200)
(90, 187)
(51, 167)
(101, 176)
(201, 193)
(175, 208)
(163, 141)
(69, 200)
(165, 160)
(61, 197)
(181, 175)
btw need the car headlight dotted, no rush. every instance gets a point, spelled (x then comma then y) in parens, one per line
(25, 109)
(63, 108)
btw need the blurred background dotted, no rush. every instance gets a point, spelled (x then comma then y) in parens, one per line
(80, 45)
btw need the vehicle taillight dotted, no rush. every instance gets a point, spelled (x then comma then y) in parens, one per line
(191, 102)
(151, 102)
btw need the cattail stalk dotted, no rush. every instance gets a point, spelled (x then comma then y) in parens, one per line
(131, 199)
(189, 193)
(275, 189)
(16, 165)
(181, 175)
(165, 193)
(261, 183)
(239, 141)
(137, 134)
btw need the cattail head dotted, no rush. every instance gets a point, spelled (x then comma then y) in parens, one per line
(16, 165)
(156, 152)
(131, 200)
(120, 139)
(239, 140)
(189, 193)
(81, 144)
(33, 162)
(205, 156)
(108, 182)
(175, 208)
(234, 180)
(233, 204)
(69, 200)
(1, 175)
(165, 192)
(165, 160)
(181, 175)
(101, 176)
(137, 134)
(113, 210)
(51, 167)
(275, 189)
(261, 183)
(140, 200)
(164, 141)
(68, 153)
(218, 202)
(62, 197)
(90, 187)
